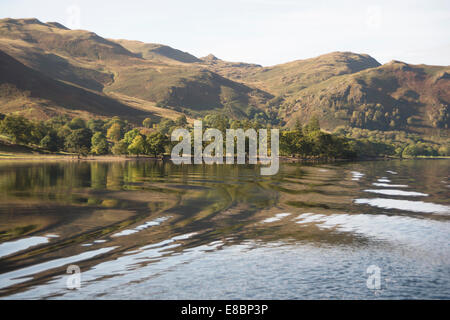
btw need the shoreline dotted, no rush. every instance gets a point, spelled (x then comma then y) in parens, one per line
(63, 157)
(110, 158)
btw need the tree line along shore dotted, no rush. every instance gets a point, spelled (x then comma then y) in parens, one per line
(62, 136)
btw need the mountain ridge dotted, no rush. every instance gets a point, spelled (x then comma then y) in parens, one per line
(342, 88)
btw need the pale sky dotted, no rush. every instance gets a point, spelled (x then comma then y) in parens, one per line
(266, 32)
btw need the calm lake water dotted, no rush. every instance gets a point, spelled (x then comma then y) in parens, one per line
(152, 230)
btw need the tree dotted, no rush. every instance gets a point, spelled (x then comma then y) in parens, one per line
(96, 125)
(291, 141)
(120, 147)
(99, 144)
(49, 142)
(79, 141)
(114, 132)
(156, 143)
(16, 127)
(114, 120)
(137, 146)
(77, 123)
(147, 123)
(130, 135)
(166, 125)
(38, 131)
(312, 126)
(219, 121)
(62, 133)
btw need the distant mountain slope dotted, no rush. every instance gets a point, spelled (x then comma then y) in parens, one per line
(153, 51)
(192, 88)
(36, 95)
(58, 39)
(290, 77)
(238, 71)
(392, 96)
(153, 72)
(57, 66)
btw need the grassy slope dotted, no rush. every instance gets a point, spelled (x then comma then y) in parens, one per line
(36, 95)
(152, 72)
(157, 52)
(415, 90)
(189, 87)
(296, 75)
(237, 71)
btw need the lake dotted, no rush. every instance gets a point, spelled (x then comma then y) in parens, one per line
(153, 230)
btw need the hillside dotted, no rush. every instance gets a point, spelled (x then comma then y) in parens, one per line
(79, 72)
(161, 75)
(35, 95)
(188, 88)
(293, 76)
(61, 40)
(153, 51)
(238, 71)
(396, 95)
(290, 77)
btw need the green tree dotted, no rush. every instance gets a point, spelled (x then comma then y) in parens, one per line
(220, 122)
(290, 142)
(61, 134)
(77, 123)
(147, 123)
(79, 141)
(38, 131)
(119, 148)
(156, 143)
(130, 135)
(137, 146)
(114, 132)
(17, 128)
(96, 125)
(99, 144)
(50, 142)
(312, 126)
(166, 126)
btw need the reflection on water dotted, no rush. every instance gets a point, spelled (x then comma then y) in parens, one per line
(389, 185)
(277, 217)
(406, 205)
(393, 192)
(152, 230)
(7, 248)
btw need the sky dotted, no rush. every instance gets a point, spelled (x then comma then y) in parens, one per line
(265, 32)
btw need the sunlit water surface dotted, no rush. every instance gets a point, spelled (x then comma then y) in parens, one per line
(152, 230)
